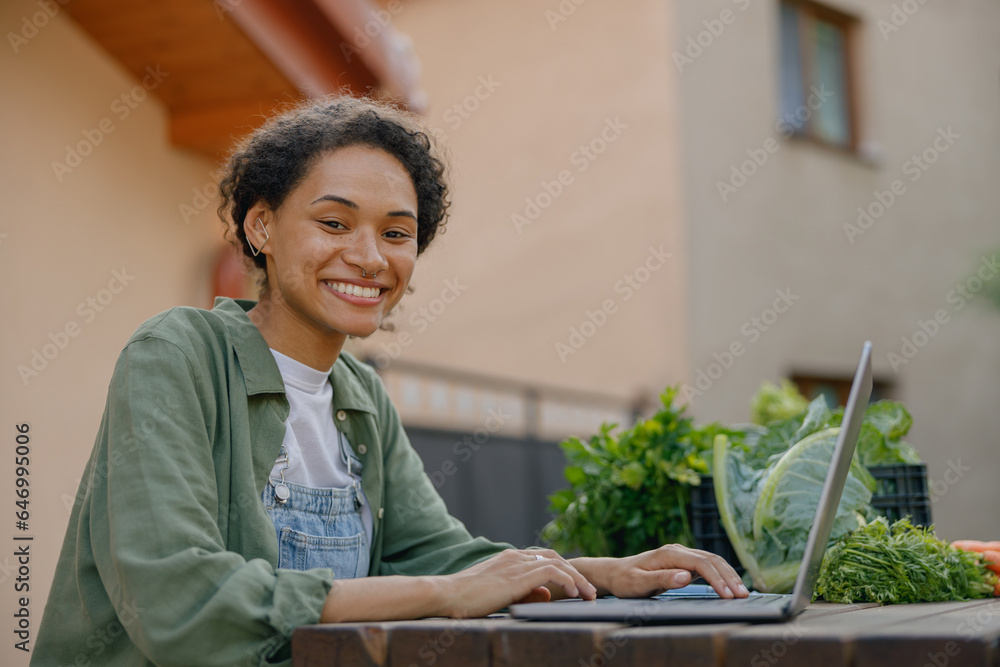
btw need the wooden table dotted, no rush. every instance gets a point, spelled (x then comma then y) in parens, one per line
(952, 634)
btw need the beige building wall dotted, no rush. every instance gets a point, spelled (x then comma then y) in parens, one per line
(597, 77)
(92, 254)
(784, 228)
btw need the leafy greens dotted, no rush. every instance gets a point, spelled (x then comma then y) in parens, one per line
(629, 492)
(772, 403)
(767, 486)
(901, 563)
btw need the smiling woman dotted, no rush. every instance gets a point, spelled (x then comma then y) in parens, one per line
(249, 476)
(339, 252)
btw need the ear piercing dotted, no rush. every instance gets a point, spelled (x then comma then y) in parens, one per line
(267, 237)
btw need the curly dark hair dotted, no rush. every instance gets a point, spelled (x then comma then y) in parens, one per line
(269, 163)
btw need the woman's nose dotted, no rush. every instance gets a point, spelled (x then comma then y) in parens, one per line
(364, 251)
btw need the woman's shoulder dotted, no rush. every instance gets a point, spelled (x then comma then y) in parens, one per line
(196, 331)
(178, 324)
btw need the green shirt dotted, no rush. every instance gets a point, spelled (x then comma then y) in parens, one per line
(170, 557)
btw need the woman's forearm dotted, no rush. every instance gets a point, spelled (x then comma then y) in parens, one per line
(509, 576)
(596, 570)
(384, 599)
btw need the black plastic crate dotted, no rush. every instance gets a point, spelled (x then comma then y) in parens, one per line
(901, 490)
(706, 525)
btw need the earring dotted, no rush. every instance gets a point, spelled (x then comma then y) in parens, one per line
(267, 237)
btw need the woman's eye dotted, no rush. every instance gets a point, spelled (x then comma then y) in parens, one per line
(398, 235)
(336, 224)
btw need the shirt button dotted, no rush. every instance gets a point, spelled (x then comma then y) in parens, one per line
(341, 415)
(381, 512)
(362, 449)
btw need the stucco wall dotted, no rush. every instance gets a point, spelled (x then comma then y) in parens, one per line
(784, 228)
(559, 81)
(109, 230)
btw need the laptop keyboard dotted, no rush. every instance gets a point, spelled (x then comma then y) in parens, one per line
(752, 600)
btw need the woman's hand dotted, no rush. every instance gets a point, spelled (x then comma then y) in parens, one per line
(659, 570)
(510, 576)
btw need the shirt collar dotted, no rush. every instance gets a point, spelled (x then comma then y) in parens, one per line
(260, 371)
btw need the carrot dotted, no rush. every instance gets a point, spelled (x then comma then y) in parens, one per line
(994, 559)
(976, 545)
(968, 545)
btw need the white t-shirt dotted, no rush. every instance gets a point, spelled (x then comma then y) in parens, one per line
(314, 457)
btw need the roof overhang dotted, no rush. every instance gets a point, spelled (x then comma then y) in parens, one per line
(227, 64)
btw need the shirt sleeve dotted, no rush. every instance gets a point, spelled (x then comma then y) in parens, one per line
(154, 525)
(421, 537)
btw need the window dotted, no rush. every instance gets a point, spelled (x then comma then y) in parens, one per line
(817, 92)
(836, 389)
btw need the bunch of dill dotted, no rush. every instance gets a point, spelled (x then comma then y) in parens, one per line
(900, 563)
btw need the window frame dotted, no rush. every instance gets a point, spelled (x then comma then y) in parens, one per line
(808, 12)
(809, 383)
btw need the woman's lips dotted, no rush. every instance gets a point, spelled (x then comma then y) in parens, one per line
(350, 293)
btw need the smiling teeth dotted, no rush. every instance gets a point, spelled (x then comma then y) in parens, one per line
(356, 290)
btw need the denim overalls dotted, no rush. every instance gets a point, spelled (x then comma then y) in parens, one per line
(320, 527)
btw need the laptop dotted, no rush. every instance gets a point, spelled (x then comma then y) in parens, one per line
(679, 606)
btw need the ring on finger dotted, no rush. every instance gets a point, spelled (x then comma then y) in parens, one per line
(540, 557)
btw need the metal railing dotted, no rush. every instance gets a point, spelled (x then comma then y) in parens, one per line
(438, 397)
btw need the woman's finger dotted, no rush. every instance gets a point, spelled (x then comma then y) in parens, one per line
(585, 589)
(665, 580)
(548, 572)
(543, 553)
(714, 569)
(540, 594)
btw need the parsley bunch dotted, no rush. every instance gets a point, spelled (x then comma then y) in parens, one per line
(901, 563)
(630, 491)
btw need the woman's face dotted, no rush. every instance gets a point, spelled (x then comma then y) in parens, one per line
(356, 210)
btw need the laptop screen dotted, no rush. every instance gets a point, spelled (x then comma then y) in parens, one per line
(833, 487)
